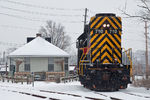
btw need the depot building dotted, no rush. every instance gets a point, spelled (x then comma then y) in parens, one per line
(39, 56)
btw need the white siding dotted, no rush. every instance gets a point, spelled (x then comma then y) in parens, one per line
(38, 64)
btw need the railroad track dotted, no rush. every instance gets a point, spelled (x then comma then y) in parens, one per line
(76, 96)
(63, 93)
(32, 94)
(136, 95)
(112, 98)
(52, 98)
(53, 92)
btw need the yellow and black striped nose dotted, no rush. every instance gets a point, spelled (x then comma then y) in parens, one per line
(105, 39)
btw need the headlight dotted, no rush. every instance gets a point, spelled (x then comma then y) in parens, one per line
(108, 25)
(104, 25)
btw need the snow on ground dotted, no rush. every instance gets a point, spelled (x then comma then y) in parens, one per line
(8, 95)
(11, 91)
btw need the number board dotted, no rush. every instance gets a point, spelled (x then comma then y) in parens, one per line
(101, 31)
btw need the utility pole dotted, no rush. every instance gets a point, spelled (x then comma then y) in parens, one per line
(146, 53)
(85, 16)
(4, 57)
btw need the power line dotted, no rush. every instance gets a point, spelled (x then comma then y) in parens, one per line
(38, 6)
(10, 44)
(20, 17)
(90, 11)
(17, 27)
(35, 19)
(39, 13)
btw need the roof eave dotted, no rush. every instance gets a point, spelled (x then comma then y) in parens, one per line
(38, 56)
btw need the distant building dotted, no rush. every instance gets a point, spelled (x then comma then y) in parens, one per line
(39, 56)
(72, 69)
(3, 69)
(140, 62)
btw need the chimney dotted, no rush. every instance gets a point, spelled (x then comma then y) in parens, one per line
(38, 34)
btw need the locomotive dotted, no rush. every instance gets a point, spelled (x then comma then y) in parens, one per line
(103, 65)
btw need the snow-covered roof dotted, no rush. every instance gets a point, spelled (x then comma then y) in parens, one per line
(39, 47)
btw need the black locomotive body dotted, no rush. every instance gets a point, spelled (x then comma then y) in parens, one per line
(101, 63)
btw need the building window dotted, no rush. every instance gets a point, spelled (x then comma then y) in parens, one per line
(27, 67)
(51, 64)
(50, 67)
(12, 68)
(66, 67)
(66, 64)
(66, 60)
(27, 64)
(12, 65)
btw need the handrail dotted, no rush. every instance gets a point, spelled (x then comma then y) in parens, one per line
(130, 59)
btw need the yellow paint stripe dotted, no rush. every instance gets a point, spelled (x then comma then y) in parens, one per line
(114, 41)
(118, 53)
(110, 43)
(103, 48)
(113, 47)
(105, 61)
(117, 22)
(94, 58)
(119, 33)
(106, 47)
(101, 22)
(103, 68)
(93, 38)
(117, 58)
(91, 33)
(95, 22)
(79, 62)
(111, 23)
(98, 46)
(92, 18)
(106, 54)
(118, 38)
(119, 18)
(106, 39)
(93, 45)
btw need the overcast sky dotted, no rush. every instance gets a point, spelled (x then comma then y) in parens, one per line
(22, 18)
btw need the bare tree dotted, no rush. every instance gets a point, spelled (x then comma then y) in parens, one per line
(143, 14)
(73, 57)
(57, 34)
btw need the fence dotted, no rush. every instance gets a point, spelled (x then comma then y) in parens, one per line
(28, 80)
